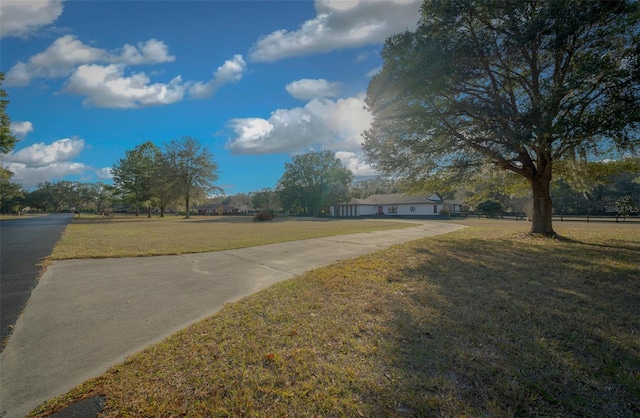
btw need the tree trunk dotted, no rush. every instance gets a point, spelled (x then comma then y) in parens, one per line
(186, 203)
(149, 212)
(541, 216)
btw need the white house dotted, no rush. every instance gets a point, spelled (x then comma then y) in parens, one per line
(217, 209)
(397, 205)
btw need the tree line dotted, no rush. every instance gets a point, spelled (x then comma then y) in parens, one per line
(313, 182)
(149, 180)
(146, 177)
(579, 188)
(149, 177)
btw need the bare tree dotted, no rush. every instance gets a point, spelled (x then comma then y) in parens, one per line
(192, 168)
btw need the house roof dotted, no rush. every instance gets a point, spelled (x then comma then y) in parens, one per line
(396, 199)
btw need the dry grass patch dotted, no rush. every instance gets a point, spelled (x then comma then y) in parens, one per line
(481, 322)
(97, 237)
(8, 217)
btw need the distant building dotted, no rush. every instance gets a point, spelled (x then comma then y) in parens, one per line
(397, 205)
(217, 209)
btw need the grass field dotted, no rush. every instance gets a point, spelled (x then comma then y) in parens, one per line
(485, 321)
(7, 217)
(99, 237)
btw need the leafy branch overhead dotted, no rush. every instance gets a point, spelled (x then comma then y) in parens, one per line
(7, 139)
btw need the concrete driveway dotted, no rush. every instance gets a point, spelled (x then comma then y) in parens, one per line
(84, 316)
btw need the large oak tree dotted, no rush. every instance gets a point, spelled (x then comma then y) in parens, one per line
(312, 182)
(520, 84)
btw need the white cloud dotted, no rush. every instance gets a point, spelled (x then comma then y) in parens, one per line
(45, 162)
(21, 129)
(104, 173)
(229, 72)
(107, 86)
(23, 17)
(41, 154)
(99, 74)
(374, 72)
(354, 162)
(339, 24)
(67, 52)
(321, 123)
(251, 129)
(362, 56)
(307, 89)
(58, 60)
(29, 177)
(337, 4)
(151, 52)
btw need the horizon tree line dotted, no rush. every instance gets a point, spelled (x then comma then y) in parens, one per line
(149, 177)
(601, 186)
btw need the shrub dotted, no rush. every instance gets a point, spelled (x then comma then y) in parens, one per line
(263, 216)
(490, 208)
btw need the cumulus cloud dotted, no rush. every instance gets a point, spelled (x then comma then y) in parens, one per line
(29, 177)
(321, 123)
(58, 60)
(99, 74)
(45, 162)
(107, 86)
(67, 52)
(41, 154)
(353, 161)
(307, 89)
(339, 24)
(152, 51)
(21, 129)
(104, 173)
(23, 17)
(229, 72)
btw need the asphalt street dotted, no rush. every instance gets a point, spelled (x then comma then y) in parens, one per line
(23, 245)
(88, 315)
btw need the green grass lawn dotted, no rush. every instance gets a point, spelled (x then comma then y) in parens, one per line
(485, 321)
(131, 236)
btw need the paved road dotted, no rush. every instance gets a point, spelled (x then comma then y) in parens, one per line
(23, 245)
(87, 315)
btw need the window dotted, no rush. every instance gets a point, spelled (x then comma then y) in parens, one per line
(435, 208)
(393, 209)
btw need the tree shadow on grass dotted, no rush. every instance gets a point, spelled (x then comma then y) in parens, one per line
(497, 328)
(617, 244)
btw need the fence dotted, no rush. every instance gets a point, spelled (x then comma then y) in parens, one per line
(472, 214)
(617, 218)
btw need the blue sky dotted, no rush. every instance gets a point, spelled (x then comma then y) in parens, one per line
(255, 81)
